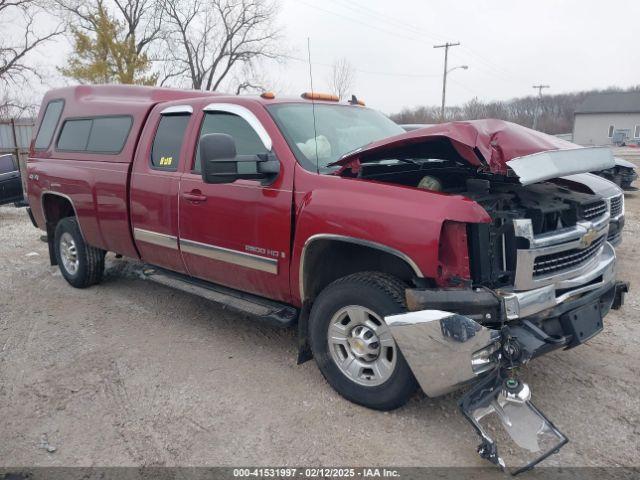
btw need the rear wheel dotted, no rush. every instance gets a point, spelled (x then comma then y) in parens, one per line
(80, 264)
(352, 344)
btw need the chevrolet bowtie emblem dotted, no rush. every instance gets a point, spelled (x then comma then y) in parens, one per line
(588, 238)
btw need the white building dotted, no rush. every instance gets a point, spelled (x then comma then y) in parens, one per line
(608, 118)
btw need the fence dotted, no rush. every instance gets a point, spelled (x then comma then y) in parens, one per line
(15, 137)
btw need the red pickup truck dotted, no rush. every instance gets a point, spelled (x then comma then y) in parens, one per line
(441, 257)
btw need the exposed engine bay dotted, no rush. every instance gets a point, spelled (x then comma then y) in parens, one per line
(550, 206)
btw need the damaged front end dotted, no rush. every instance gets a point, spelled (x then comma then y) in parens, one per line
(537, 275)
(446, 351)
(481, 348)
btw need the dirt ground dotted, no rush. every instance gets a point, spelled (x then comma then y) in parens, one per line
(130, 373)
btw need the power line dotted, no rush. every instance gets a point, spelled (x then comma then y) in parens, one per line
(369, 72)
(473, 91)
(351, 19)
(358, 8)
(491, 67)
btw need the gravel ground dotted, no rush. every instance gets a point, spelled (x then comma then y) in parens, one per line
(130, 373)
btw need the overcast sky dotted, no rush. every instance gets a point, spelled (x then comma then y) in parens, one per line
(508, 45)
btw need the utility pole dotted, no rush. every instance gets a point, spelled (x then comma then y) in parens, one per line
(444, 76)
(538, 108)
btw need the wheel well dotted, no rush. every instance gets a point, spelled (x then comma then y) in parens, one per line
(55, 208)
(326, 260)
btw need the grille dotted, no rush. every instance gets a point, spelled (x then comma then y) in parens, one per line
(594, 210)
(614, 237)
(616, 206)
(556, 262)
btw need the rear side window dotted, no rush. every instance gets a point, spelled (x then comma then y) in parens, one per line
(48, 124)
(247, 140)
(109, 134)
(95, 135)
(74, 135)
(165, 152)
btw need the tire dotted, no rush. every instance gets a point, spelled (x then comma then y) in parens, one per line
(372, 296)
(80, 264)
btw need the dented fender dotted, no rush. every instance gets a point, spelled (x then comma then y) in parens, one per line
(402, 219)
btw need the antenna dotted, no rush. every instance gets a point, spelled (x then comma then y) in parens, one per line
(313, 106)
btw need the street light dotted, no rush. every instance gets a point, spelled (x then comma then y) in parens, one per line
(464, 67)
(444, 85)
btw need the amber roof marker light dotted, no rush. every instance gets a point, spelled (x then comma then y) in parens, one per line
(320, 96)
(268, 95)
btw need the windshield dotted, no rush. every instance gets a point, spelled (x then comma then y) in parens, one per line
(338, 129)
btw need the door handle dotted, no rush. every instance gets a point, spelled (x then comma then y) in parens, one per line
(194, 196)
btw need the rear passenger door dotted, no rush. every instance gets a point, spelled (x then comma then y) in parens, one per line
(238, 234)
(155, 184)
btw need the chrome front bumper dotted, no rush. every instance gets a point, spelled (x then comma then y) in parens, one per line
(601, 272)
(444, 339)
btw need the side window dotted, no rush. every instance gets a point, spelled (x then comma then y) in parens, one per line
(611, 129)
(247, 140)
(636, 132)
(94, 135)
(74, 135)
(109, 134)
(165, 152)
(48, 124)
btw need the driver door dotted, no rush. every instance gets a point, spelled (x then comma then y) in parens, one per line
(237, 234)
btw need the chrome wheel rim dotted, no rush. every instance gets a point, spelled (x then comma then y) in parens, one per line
(69, 253)
(362, 346)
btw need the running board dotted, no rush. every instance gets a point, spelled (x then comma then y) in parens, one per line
(268, 311)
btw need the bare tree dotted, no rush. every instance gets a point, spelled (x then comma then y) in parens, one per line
(208, 40)
(342, 78)
(15, 65)
(14, 105)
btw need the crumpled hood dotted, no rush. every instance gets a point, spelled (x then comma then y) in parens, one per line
(497, 146)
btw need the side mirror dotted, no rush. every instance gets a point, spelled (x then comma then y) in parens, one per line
(220, 163)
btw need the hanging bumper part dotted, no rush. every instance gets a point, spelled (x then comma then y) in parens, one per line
(446, 350)
(500, 410)
(443, 349)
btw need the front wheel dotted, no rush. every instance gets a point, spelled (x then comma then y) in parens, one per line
(80, 264)
(352, 344)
